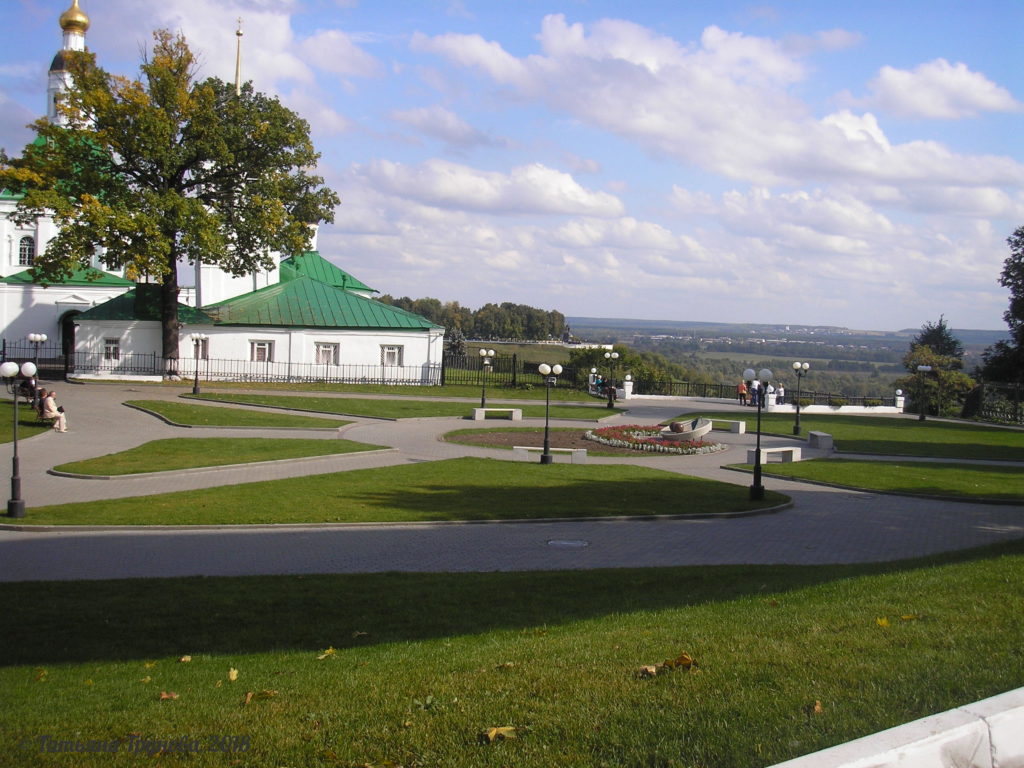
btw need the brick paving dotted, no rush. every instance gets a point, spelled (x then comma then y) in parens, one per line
(824, 525)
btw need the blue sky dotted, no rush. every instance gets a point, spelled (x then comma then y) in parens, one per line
(799, 162)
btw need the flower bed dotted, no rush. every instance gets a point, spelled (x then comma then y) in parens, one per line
(648, 438)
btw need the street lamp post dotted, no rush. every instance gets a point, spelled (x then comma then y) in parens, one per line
(611, 357)
(550, 374)
(9, 370)
(37, 339)
(921, 371)
(486, 354)
(800, 369)
(593, 379)
(197, 341)
(757, 489)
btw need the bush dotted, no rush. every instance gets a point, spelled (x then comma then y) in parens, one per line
(836, 402)
(872, 402)
(804, 402)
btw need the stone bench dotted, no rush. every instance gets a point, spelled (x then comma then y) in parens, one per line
(784, 454)
(739, 427)
(479, 414)
(822, 440)
(576, 455)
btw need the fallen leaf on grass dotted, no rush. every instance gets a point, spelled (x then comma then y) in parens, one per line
(146, 679)
(40, 675)
(505, 665)
(325, 654)
(813, 709)
(184, 659)
(168, 695)
(910, 616)
(232, 674)
(258, 696)
(499, 733)
(149, 664)
(882, 621)
(682, 661)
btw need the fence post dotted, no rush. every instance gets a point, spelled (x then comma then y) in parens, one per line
(515, 369)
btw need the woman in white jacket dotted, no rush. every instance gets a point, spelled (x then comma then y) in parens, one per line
(51, 411)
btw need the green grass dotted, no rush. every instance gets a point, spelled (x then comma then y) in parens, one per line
(425, 662)
(27, 424)
(457, 489)
(969, 481)
(212, 416)
(189, 452)
(895, 436)
(401, 409)
(532, 432)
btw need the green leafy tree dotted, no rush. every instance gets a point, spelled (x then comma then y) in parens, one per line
(941, 341)
(943, 389)
(165, 169)
(1004, 361)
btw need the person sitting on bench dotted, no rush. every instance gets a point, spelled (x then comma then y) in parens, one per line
(52, 411)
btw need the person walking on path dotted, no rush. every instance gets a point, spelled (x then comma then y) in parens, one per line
(741, 391)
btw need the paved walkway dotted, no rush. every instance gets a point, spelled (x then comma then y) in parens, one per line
(824, 525)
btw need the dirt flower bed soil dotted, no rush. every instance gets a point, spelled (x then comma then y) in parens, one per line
(560, 438)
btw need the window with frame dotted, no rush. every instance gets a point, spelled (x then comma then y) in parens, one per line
(261, 351)
(327, 353)
(391, 354)
(111, 349)
(27, 251)
(201, 351)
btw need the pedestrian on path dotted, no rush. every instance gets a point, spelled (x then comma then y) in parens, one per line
(741, 391)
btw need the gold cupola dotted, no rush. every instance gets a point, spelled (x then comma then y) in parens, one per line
(74, 18)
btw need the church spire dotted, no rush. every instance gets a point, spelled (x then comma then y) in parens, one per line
(74, 24)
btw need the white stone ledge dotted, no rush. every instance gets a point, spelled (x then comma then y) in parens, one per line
(986, 734)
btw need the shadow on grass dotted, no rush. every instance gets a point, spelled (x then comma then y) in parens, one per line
(67, 622)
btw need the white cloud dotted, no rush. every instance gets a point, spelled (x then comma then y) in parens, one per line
(938, 89)
(332, 50)
(533, 188)
(443, 124)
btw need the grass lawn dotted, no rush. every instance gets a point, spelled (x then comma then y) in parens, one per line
(212, 416)
(27, 426)
(895, 436)
(969, 481)
(457, 489)
(401, 409)
(411, 669)
(559, 437)
(189, 452)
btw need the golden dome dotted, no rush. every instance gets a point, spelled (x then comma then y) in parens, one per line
(74, 18)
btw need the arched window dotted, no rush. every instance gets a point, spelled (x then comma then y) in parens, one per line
(27, 251)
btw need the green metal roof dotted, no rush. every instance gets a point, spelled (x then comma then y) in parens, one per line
(312, 264)
(303, 302)
(81, 276)
(142, 303)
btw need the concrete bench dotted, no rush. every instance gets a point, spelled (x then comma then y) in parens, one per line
(822, 440)
(576, 455)
(479, 414)
(739, 427)
(784, 454)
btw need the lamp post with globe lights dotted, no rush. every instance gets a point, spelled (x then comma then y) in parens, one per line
(800, 369)
(757, 489)
(9, 370)
(611, 357)
(37, 339)
(486, 364)
(550, 374)
(197, 341)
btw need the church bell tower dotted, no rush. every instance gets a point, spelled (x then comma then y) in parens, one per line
(74, 24)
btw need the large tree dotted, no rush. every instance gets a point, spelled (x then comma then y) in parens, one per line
(940, 339)
(164, 170)
(1005, 360)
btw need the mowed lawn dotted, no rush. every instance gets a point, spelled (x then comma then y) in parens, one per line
(192, 452)
(967, 481)
(421, 669)
(402, 408)
(895, 436)
(456, 489)
(192, 415)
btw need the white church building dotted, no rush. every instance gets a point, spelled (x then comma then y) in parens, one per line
(303, 319)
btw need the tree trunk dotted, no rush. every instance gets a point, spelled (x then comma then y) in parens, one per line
(169, 320)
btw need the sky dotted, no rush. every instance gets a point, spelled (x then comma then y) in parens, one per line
(803, 162)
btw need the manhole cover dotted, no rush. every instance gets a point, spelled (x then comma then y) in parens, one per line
(568, 543)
